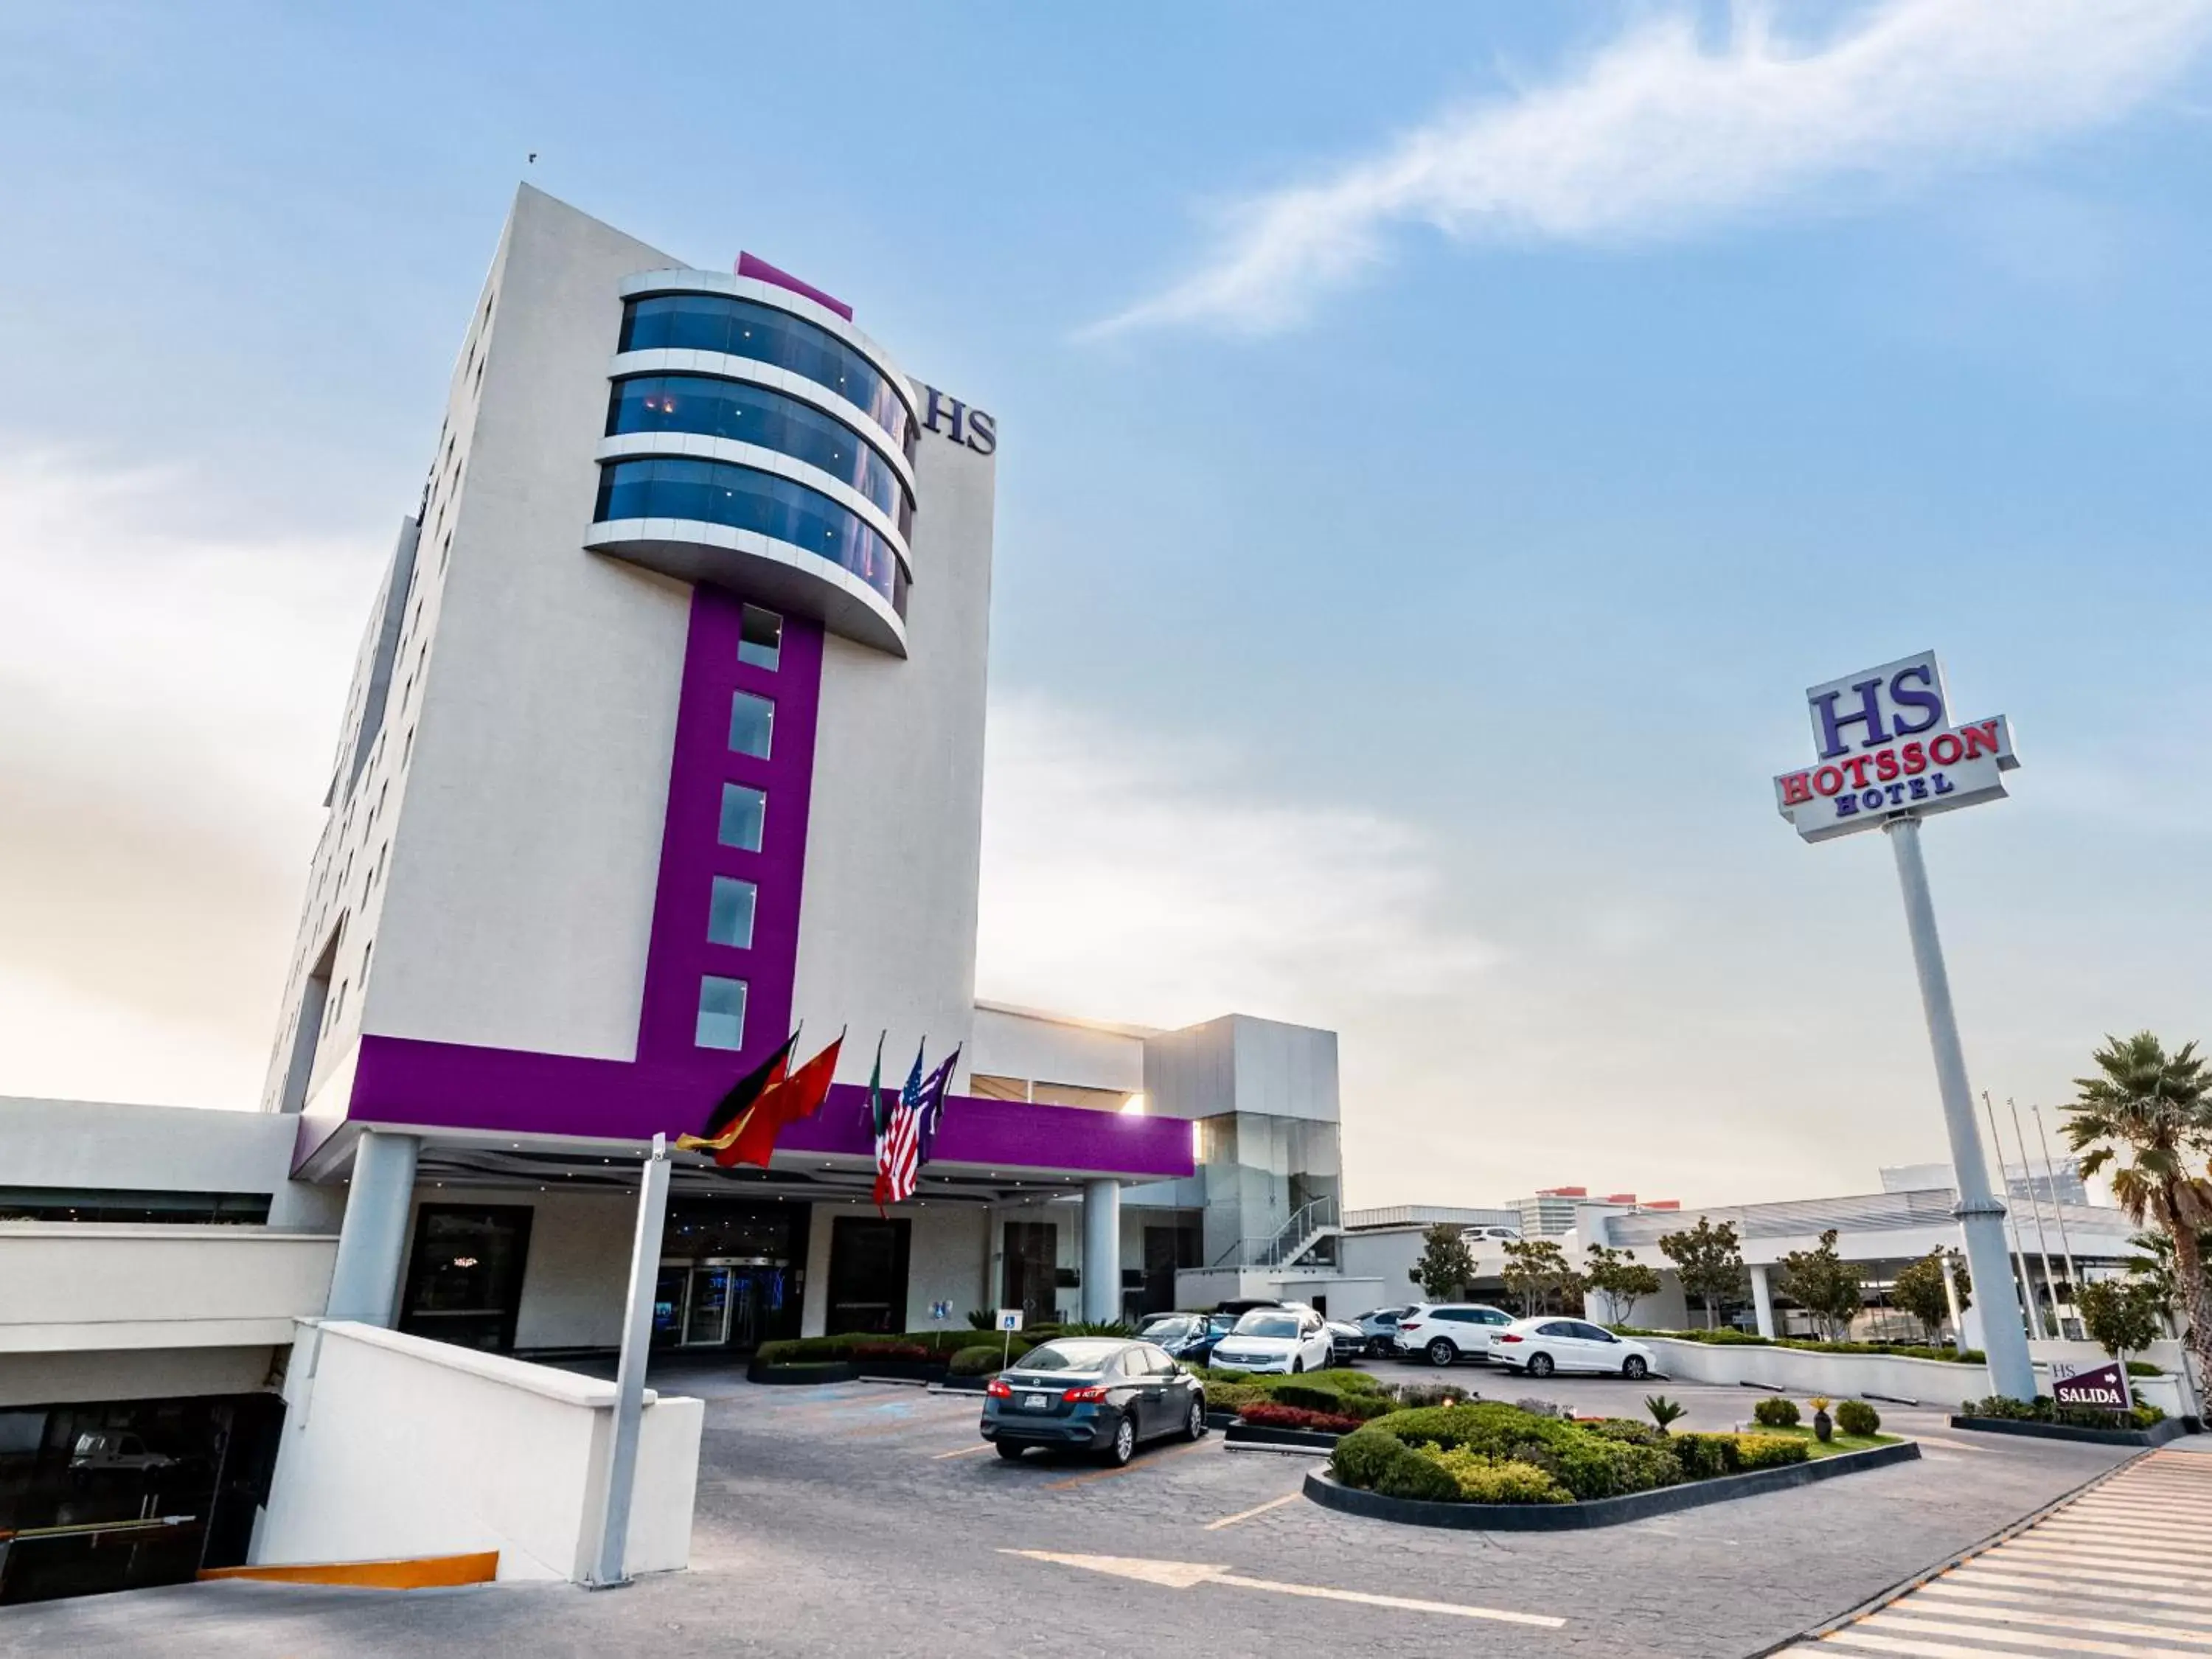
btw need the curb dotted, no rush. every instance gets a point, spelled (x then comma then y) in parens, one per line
(1599, 1511)
(801, 1375)
(2157, 1435)
(1255, 1435)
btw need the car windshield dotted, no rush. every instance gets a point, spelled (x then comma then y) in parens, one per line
(1165, 1330)
(1076, 1355)
(1268, 1324)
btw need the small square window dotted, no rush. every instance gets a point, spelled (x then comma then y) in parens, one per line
(730, 912)
(744, 815)
(760, 641)
(752, 724)
(721, 1014)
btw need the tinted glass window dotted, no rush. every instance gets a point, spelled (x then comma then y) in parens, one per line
(721, 1014)
(1595, 1334)
(1077, 1354)
(1457, 1316)
(730, 912)
(745, 498)
(744, 817)
(1268, 1324)
(1491, 1317)
(761, 644)
(748, 414)
(744, 328)
(1162, 1365)
(752, 724)
(1557, 1327)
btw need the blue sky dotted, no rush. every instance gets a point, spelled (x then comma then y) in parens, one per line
(1438, 450)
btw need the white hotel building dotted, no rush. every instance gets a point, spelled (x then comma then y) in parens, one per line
(665, 737)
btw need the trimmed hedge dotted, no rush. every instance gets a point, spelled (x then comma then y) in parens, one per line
(980, 1360)
(1266, 1414)
(2047, 1410)
(871, 1344)
(1766, 1451)
(1776, 1412)
(1588, 1465)
(1376, 1462)
(1492, 1480)
(1705, 1456)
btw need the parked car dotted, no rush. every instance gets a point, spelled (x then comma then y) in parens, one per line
(1490, 1234)
(1106, 1394)
(113, 1449)
(1381, 1328)
(1286, 1339)
(1540, 1346)
(1347, 1341)
(1445, 1333)
(1188, 1337)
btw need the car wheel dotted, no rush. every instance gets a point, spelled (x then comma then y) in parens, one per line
(1194, 1427)
(1539, 1364)
(1636, 1370)
(1124, 1446)
(1297, 1363)
(1010, 1451)
(1440, 1351)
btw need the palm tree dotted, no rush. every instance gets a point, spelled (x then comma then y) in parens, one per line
(2146, 1118)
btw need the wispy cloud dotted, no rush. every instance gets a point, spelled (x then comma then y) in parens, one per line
(1660, 133)
(1139, 879)
(169, 698)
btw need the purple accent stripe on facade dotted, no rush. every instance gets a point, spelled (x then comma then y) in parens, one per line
(679, 954)
(446, 1086)
(761, 270)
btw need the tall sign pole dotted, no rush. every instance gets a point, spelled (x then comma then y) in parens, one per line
(1887, 755)
(608, 1568)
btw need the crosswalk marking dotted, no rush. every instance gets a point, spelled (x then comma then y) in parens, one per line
(2123, 1570)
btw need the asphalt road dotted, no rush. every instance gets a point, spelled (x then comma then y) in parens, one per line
(871, 1518)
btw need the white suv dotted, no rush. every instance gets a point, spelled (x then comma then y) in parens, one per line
(1446, 1332)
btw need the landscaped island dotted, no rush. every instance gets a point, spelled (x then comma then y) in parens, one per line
(1492, 1453)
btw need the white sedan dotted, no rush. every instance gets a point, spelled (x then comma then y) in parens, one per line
(1540, 1346)
(1276, 1340)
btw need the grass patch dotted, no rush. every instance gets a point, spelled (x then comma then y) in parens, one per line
(1842, 1443)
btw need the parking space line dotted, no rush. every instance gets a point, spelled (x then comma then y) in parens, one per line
(1152, 1463)
(964, 1451)
(1257, 1509)
(1187, 1575)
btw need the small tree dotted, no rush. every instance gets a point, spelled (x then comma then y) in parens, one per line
(1446, 1263)
(1537, 1270)
(1624, 1280)
(1709, 1260)
(1824, 1284)
(2123, 1315)
(1919, 1290)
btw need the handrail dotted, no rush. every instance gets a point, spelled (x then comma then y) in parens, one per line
(1306, 1223)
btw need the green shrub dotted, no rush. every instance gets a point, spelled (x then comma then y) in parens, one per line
(1410, 1396)
(1311, 1397)
(1486, 1480)
(981, 1318)
(1766, 1451)
(1231, 1397)
(1305, 1396)
(1411, 1474)
(1856, 1417)
(1629, 1433)
(980, 1360)
(1776, 1412)
(1360, 1458)
(1588, 1465)
(1347, 1381)
(1703, 1456)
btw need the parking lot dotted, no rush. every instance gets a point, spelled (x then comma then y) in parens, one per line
(868, 1517)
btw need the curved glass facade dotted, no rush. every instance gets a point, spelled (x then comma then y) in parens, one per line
(743, 328)
(745, 498)
(759, 415)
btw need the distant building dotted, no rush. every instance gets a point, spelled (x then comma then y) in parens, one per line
(2058, 1182)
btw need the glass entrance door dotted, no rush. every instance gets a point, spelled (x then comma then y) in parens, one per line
(707, 1322)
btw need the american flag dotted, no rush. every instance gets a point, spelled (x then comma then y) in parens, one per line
(898, 1156)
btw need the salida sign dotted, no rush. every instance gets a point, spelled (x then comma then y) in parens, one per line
(1886, 745)
(2101, 1388)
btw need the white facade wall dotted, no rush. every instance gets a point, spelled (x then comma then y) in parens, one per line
(1241, 1064)
(73, 1375)
(397, 1446)
(95, 1286)
(1047, 1048)
(887, 917)
(104, 1144)
(520, 895)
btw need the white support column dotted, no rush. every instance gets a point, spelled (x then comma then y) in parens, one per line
(373, 1238)
(1762, 1300)
(1102, 1249)
(1951, 1296)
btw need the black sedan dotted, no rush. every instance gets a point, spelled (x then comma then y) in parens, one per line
(1105, 1395)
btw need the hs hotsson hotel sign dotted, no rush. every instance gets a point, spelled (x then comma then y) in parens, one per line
(1886, 745)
